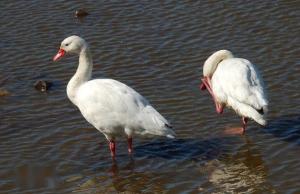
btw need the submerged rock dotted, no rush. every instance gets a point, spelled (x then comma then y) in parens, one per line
(81, 13)
(4, 92)
(42, 85)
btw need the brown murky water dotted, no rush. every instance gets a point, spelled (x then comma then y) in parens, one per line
(158, 48)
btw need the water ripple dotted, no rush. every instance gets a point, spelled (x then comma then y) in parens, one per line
(158, 48)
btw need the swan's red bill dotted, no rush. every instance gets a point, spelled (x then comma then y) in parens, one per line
(59, 54)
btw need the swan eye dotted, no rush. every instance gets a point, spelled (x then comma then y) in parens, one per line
(67, 44)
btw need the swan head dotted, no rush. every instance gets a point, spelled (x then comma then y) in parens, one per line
(73, 45)
(210, 65)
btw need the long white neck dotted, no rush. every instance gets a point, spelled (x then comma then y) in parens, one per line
(82, 75)
(213, 61)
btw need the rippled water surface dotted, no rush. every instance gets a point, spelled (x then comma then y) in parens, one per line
(158, 48)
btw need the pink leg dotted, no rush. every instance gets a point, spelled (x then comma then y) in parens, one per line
(206, 85)
(245, 120)
(112, 147)
(129, 140)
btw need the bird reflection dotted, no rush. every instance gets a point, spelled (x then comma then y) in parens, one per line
(219, 165)
(243, 171)
(114, 170)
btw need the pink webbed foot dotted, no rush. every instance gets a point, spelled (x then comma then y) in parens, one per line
(235, 131)
(238, 130)
(129, 140)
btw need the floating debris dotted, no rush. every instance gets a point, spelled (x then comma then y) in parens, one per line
(42, 85)
(81, 13)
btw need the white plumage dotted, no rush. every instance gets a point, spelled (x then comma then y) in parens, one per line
(112, 107)
(236, 83)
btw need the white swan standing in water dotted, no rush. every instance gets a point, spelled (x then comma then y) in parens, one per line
(112, 107)
(235, 83)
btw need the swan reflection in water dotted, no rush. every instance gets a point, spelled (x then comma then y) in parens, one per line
(206, 168)
(242, 172)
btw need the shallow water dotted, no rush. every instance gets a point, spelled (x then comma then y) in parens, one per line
(158, 48)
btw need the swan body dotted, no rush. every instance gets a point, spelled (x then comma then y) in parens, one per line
(119, 108)
(236, 83)
(110, 106)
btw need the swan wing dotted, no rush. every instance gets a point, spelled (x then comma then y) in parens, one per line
(239, 80)
(111, 105)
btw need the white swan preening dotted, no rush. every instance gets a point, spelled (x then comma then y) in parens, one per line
(112, 107)
(235, 82)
